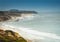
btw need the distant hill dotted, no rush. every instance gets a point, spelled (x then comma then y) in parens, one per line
(15, 11)
(18, 11)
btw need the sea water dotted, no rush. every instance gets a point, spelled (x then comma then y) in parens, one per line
(44, 25)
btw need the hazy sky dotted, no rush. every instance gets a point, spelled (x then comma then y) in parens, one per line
(39, 5)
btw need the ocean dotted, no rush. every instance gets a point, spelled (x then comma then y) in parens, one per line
(44, 25)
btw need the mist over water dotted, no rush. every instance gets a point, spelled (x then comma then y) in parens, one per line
(44, 25)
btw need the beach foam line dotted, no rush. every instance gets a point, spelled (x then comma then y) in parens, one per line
(32, 34)
(43, 34)
(21, 32)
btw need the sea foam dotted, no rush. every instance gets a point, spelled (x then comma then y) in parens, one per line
(32, 34)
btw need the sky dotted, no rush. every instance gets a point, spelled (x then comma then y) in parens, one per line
(38, 5)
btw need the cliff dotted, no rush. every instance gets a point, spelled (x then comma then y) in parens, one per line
(10, 36)
(6, 15)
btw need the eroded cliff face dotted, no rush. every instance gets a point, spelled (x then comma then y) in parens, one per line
(4, 18)
(12, 14)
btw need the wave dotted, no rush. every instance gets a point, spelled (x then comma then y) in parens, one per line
(23, 18)
(32, 34)
(31, 17)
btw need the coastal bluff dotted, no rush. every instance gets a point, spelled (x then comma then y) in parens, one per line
(13, 13)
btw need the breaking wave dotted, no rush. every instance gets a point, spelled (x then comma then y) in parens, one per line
(25, 18)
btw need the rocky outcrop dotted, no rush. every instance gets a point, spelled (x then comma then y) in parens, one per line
(10, 36)
(4, 18)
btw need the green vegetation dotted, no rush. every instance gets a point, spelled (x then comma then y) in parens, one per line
(10, 36)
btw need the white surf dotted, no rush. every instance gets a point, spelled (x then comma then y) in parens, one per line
(31, 34)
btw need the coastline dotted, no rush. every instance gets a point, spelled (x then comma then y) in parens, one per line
(32, 35)
(25, 35)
